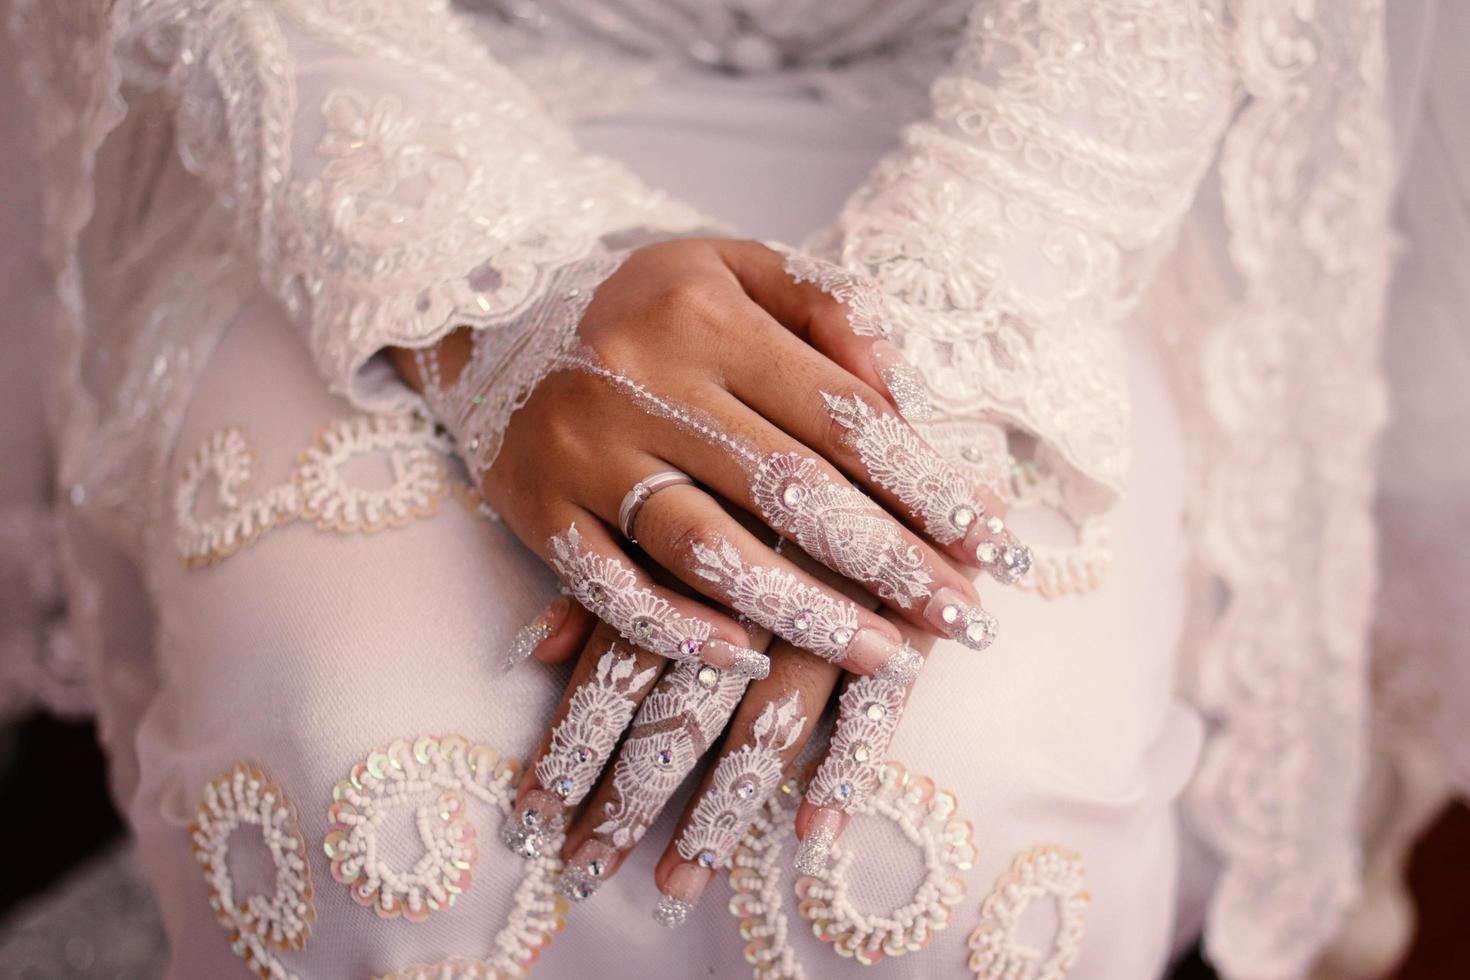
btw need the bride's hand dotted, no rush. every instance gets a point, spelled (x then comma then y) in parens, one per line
(708, 358)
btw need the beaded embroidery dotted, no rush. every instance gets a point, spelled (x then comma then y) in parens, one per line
(316, 492)
(999, 954)
(741, 783)
(927, 818)
(584, 740)
(674, 726)
(258, 924)
(435, 777)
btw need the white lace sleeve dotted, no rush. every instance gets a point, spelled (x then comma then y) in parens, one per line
(1017, 223)
(391, 178)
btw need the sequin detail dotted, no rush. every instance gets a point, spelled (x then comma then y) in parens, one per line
(258, 924)
(674, 727)
(1046, 872)
(584, 740)
(317, 491)
(435, 777)
(741, 783)
(774, 598)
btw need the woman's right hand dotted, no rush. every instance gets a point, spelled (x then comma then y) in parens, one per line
(702, 356)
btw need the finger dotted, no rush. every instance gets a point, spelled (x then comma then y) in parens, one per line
(607, 685)
(685, 530)
(831, 402)
(753, 464)
(603, 579)
(868, 712)
(774, 720)
(843, 315)
(557, 634)
(674, 727)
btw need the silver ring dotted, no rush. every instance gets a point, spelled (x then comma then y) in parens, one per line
(635, 498)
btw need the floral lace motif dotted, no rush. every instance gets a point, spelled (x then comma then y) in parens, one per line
(584, 740)
(867, 717)
(409, 218)
(317, 490)
(259, 925)
(1046, 872)
(741, 784)
(609, 588)
(674, 726)
(777, 600)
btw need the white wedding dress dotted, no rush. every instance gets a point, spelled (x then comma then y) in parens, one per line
(252, 199)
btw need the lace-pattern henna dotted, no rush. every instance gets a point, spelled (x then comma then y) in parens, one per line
(584, 740)
(742, 782)
(835, 523)
(609, 588)
(777, 600)
(840, 527)
(674, 726)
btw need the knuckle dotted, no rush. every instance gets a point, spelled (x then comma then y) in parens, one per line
(696, 298)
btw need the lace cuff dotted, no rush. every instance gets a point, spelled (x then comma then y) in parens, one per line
(507, 363)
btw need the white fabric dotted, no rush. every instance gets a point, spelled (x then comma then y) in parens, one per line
(1276, 368)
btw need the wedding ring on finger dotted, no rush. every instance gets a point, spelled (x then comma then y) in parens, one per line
(638, 495)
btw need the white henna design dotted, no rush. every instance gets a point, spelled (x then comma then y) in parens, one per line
(610, 589)
(939, 493)
(674, 727)
(840, 527)
(742, 782)
(774, 598)
(867, 716)
(584, 740)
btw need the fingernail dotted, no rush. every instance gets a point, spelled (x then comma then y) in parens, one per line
(869, 649)
(902, 381)
(589, 867)
(533, 634)
(959, 619)
(738, 661)
(903, 668)
(685, 885)
(532, 824)
(815, 849)
(998, 550)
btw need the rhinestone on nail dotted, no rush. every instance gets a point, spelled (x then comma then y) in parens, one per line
(950, 614)
(995, 525)
(986, 552)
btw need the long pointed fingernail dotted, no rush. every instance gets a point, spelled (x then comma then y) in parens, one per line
(532, 824)
(998, 550)
(959, 619)
(902, 381)
(737, 661)
(589, 867)
(681, 892)
(822, 830)
(536, 632)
